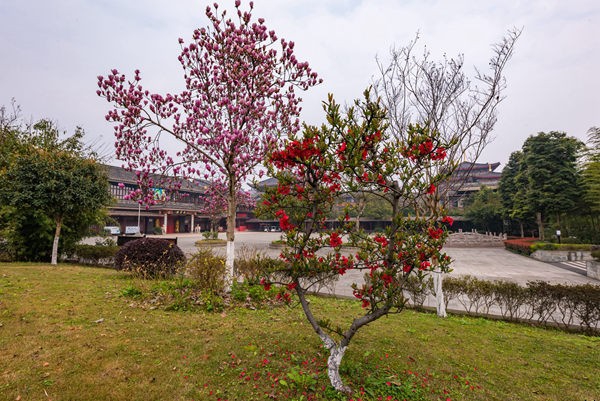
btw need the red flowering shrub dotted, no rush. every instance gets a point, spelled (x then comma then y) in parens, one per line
(520, 245)
(356, 155)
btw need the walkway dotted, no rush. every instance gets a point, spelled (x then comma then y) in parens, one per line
(484, 263)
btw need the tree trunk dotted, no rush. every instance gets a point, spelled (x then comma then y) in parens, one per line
(439, 293)
(540, 223)
(522, 229)
(336, 353)
(231, 210)
(54, 259)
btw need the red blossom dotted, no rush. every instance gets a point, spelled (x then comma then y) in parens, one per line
(387, 279)
(448, 219)
(426, 147)
(440, 154)
(266, 285)
(335, 240)
(431, 189)
(435, 233)
(381, 240)
(283, 189)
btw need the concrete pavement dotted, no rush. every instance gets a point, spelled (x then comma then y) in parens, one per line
(483, 263)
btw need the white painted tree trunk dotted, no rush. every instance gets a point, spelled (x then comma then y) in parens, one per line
(229, 261)
(336, 353)
(230, 255)
(439, 293)
(54, 259)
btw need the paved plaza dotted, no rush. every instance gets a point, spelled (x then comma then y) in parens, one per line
(484, 263)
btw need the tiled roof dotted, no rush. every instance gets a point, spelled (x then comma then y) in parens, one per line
(119, 174)
(477, 166)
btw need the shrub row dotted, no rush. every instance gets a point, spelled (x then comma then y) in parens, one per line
(546, 304)
(527, 246)
(550, 246)
(96, 254)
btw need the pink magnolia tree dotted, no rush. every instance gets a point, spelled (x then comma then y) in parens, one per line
(355, 153)
(215, 203)
(239, 98)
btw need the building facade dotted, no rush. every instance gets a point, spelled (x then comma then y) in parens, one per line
(174, 212)
(467, 179)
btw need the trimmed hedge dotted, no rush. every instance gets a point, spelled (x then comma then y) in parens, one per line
(95, 254)
(540, 302)
(150, 258)
(550, 246)
(526, 246)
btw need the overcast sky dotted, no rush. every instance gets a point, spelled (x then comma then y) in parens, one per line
(52, 51)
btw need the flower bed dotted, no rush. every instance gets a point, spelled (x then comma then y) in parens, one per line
(520, 245)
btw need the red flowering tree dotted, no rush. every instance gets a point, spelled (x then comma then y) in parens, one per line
(355, 153)
(239, 97)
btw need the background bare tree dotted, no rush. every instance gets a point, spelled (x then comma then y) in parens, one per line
(438, 94)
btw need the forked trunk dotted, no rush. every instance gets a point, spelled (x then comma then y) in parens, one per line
(54, 259)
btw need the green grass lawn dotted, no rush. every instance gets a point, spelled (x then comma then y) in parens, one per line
(69, 333)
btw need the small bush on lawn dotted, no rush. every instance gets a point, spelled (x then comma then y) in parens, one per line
(150, 258)
(250, 264)
(596, 255)
(207, 271)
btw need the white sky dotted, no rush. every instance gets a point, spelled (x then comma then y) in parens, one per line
(52, 51)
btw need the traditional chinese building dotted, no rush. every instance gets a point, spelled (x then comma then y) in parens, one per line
(468, 178)
(174, 212)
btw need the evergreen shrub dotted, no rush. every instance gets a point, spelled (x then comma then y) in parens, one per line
(150, 258)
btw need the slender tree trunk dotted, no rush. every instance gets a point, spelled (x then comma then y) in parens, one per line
(540, 223)
(54, 259)
(231, 210)
(439, 292)
(522, 229)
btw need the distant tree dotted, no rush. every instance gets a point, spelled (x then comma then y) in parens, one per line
(440, 96)
(52, 180)
(512, 188)
(591, 171)
(239, 97)
(485, 210)
(215, 203)
(551, 174)
(11, 134)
